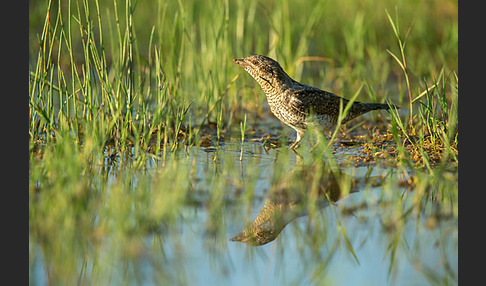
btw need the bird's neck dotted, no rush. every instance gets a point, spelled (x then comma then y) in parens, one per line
(277, 87)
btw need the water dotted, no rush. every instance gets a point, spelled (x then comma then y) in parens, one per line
(373, 236)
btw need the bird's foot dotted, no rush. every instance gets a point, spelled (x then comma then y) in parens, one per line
(300, 135)
(294, 145)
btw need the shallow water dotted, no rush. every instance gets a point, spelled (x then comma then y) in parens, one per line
(372, 236)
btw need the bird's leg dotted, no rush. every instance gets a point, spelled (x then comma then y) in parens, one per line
(298, 157)
(300, 135)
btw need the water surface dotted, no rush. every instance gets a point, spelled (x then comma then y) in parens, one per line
(375, 235)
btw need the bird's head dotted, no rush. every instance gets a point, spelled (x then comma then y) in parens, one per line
(266, 71)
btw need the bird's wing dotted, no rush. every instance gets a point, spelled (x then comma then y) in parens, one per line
(316, 101)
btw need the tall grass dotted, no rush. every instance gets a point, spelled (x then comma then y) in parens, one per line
(133, 66)
(432, 131)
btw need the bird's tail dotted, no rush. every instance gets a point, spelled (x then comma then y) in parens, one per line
(359, 108)
(379, 106)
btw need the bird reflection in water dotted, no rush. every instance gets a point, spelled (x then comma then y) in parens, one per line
(286, 201)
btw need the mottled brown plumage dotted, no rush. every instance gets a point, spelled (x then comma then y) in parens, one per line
(298, 105)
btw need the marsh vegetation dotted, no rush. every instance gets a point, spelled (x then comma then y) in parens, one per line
(149, 149)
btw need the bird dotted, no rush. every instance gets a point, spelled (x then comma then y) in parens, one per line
(298, 105)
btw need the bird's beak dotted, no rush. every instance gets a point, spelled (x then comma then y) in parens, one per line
(241, 62)
(245, 238)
